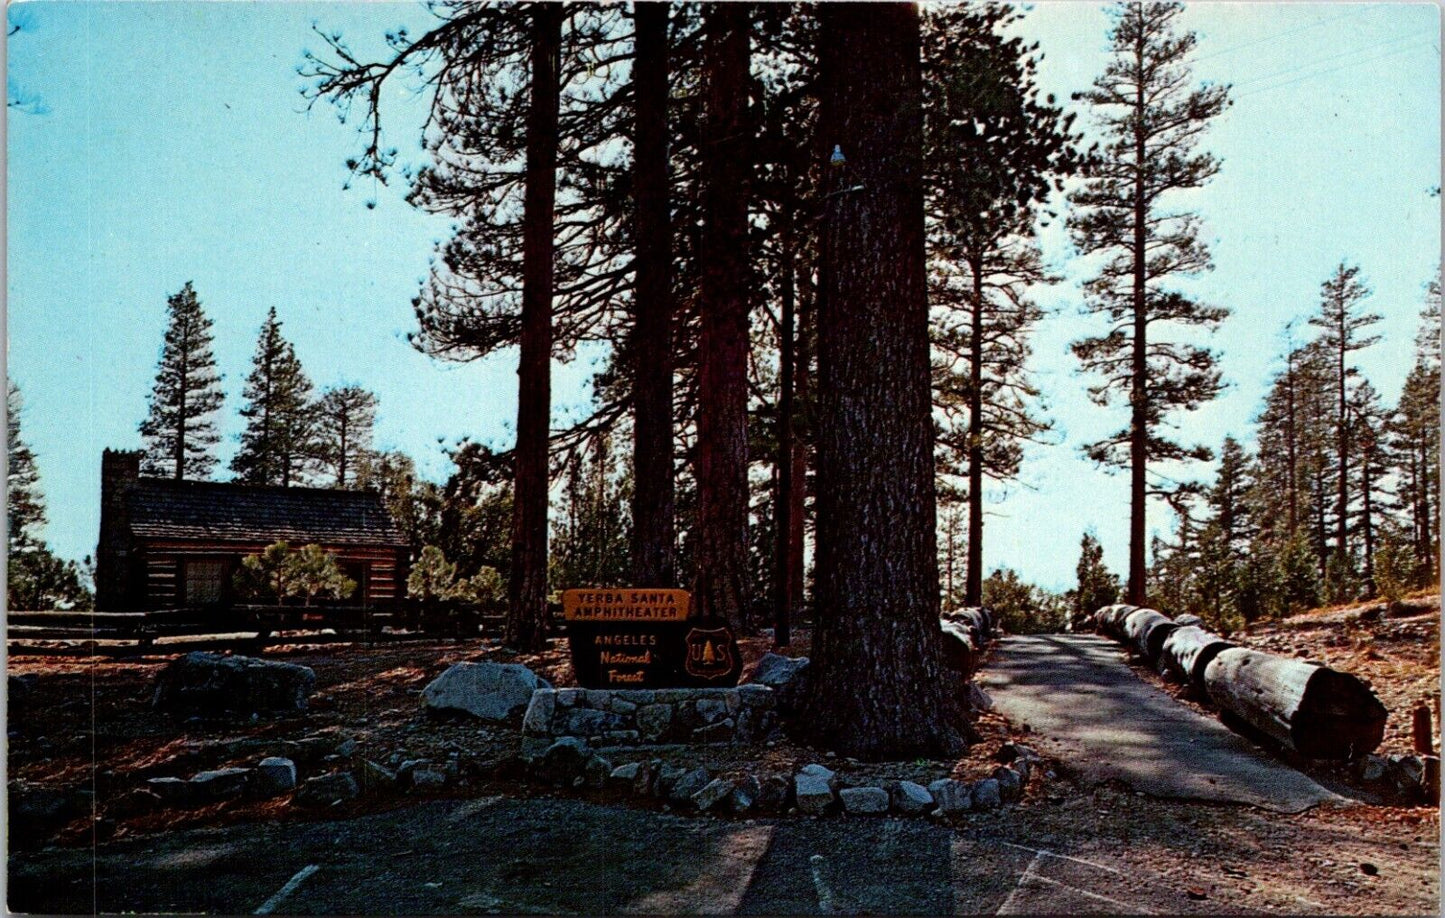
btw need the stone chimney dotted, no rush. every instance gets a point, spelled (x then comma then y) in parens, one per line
(119, 470)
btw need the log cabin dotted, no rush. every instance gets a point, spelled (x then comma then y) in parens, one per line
(167, 544)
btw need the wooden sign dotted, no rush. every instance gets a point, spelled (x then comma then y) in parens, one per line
(644, 639)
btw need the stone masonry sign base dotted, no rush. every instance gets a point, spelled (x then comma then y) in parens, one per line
(647, 717)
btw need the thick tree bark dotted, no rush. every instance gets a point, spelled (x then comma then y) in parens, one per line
(785, 588)
(973, 586)
(881, 688)
(797, 497)
(527, 615)
(652, 458)
(722, 428)
(1139, 389)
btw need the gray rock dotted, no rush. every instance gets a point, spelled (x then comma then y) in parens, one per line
(327, 790)
(653, 721)
(567, 697)
(720, 732)
(620, 738)
(596, 771)
(223, 783)
(588, 721)
(819, 771)
(375, 778)
(1371, 768)
(564, 761)
(1010, 786)
(986, 795)
(744, 795)
(911, 799)
(274, 775)
(211, 685)
(775, 670)
(864, 801)
(1010, 752)
(427, 779)
(773, 795)
(711, 794)
(756, 695)
(786, 676)
(172, 791)
(493, 692)
(596, 698)
(622, 706)
(346, 748)
(978, 699)
(634, 778)
(667, 777)
(690, 783)
(711, 710)
(950, 796)
(537, 721)
(813, 791)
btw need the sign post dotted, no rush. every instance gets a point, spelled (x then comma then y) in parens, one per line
(643, 638)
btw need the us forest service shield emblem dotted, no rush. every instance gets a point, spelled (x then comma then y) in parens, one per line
(712, 655)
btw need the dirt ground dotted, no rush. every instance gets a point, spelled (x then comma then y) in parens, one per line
(87, 723)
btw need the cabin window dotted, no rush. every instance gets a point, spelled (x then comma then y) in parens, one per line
(205, 580)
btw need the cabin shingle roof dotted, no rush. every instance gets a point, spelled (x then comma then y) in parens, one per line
(162, 508)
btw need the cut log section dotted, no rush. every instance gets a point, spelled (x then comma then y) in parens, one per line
(1110, 619)
(1188, 618)
(1316, 711)
(1187, 651)
(1146, 630)
(959, 650)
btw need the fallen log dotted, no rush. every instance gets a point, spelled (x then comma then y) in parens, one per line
(1187, 651)
(1146, 630)
(1188, 618)
(973, 617)
(1110, 619)
(960, 652)
(1316, 711)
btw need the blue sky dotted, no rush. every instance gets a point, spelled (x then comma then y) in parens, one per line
(169, 142)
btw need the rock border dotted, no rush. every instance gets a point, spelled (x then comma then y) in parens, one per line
(814, 790)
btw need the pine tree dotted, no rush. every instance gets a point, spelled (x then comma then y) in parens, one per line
(653, 532)
(35, 578)
(722, 363)
(280, 420)
(591, 536)
(1341, 323)
(180, 431)
(880, 689)
(995, 151)
(24, 504)
(1152, 121)
(345, 417)
(1414, 439)
(1097, 586)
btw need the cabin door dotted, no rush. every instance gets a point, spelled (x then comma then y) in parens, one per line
(205, 582)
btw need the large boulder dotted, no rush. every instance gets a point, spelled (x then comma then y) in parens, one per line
(786, 676)
(212, 685)
(813, 789)
(494, 692)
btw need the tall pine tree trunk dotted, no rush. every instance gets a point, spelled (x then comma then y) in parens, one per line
(652, 460)
(1342, 444)
(973, 586)
(527, 615)
(1367, 522)
(722, 429)
(798, 494)
(1139, 388)
(784, 587)
(881, 689)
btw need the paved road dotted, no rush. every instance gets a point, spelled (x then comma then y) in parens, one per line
(1085, 704)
